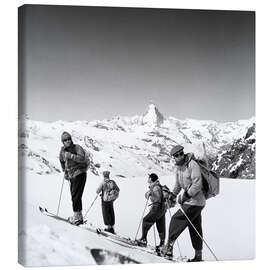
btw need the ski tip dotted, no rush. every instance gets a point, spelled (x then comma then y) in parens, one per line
(41, 209)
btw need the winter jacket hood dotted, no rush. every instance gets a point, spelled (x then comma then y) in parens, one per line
(65, 135)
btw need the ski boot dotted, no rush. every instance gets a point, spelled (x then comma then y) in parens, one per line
(141, 242)
(167, 250)
(197, 257)
(159, 247)
(110, 230)
(76, 219)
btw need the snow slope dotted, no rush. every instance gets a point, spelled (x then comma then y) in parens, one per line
(228, 221)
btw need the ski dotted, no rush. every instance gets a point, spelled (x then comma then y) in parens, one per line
(127, 242)
(117, 239)
(147, 249)
(50, 214)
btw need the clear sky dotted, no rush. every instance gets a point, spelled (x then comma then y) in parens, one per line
(88, 63)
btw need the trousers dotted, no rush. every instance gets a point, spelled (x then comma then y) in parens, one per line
(108, 213)
(155, 215)
(179, 223)
(76, 189)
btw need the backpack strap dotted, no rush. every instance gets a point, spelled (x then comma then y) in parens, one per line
(162, 197)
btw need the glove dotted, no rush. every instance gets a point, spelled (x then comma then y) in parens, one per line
(171, 201)
(68, 155)
(147, 194)
(183, 197)
(172, 197)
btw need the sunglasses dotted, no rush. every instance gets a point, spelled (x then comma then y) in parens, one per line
(68, 139)
(180, 154)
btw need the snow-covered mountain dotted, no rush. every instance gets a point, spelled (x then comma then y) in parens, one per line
(238, 161)
(153, 117)
(128, 146)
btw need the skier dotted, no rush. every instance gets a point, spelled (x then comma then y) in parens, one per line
(74, 165)
(156, 213)
(191, 198)
(109, 192)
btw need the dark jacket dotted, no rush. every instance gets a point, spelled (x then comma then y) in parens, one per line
(74, 165)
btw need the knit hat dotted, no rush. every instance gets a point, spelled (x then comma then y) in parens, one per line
(153, 177)
(65, 135)
(106, 174)
(176, 149)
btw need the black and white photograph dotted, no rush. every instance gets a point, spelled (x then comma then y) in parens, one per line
(136, 135)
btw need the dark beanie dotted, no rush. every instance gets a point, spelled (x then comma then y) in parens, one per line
(65, 135)
(153, 177)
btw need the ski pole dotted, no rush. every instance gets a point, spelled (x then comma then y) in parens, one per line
(60, 196)
(141, 219)
(154, 230)
(176, 239)
(90, 206)
(198, 232)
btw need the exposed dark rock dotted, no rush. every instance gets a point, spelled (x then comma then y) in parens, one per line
(147, 140)
(120, 128)
(90, 143)
(239, 160)
(120, 175)
(100, 126)
(197, 134)
(250, 131)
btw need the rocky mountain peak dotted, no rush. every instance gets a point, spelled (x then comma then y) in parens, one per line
(152, 116)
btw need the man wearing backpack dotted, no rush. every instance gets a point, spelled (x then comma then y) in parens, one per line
(109, 192)
(192, 200)
(74, 165)
(156, 213)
